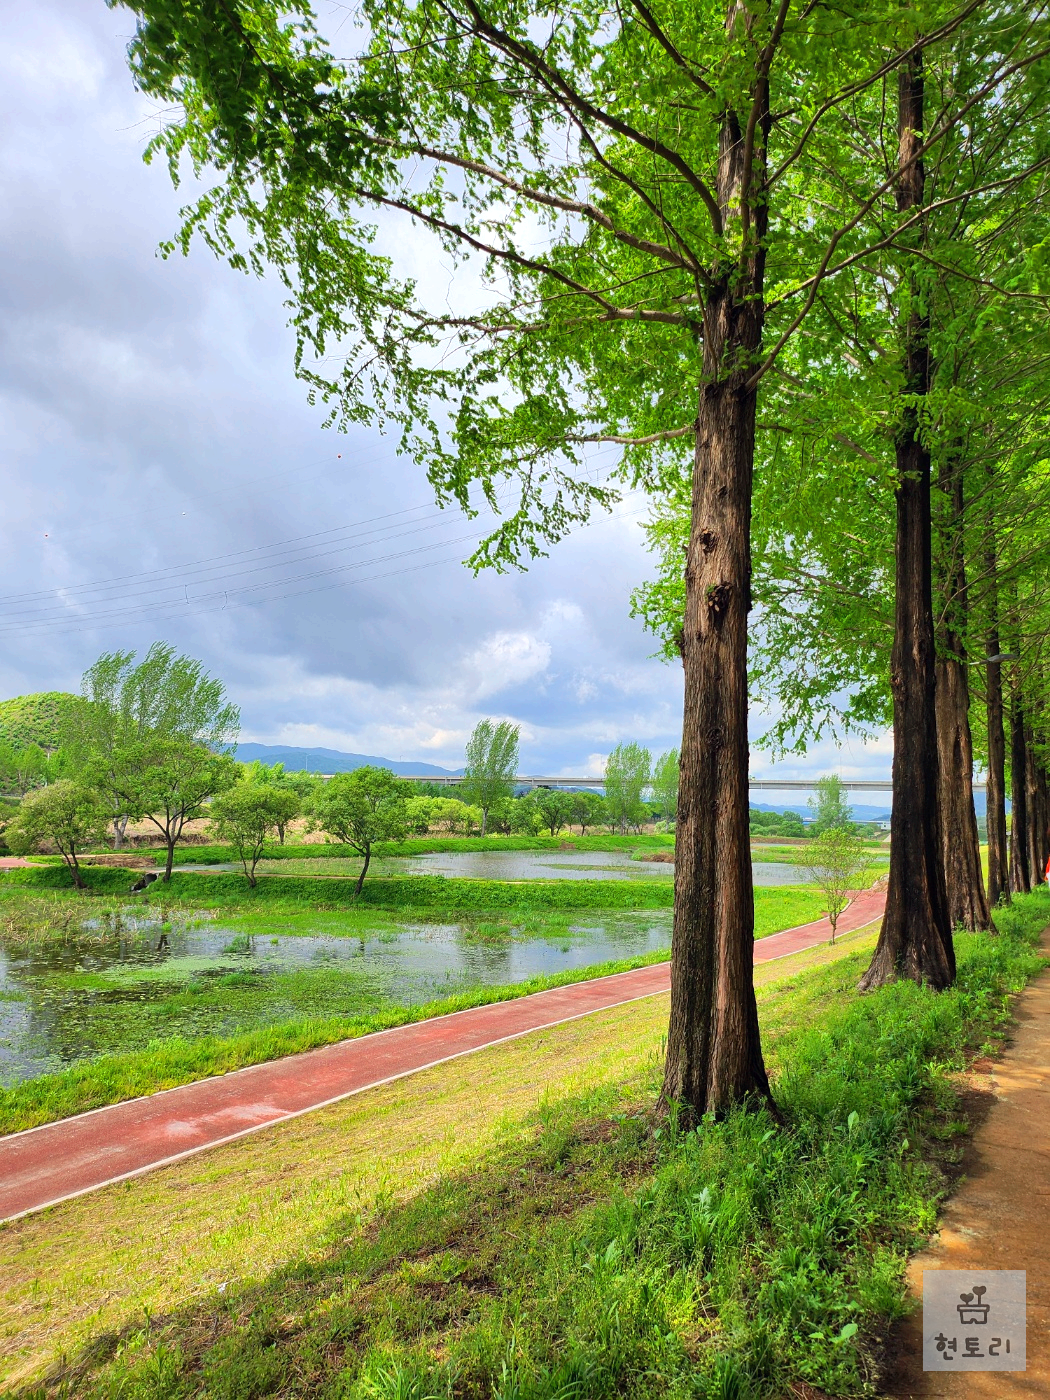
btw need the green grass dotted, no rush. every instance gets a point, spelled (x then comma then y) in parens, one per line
(136, 1030)
(425, 845)
(605, 1253)
(407, 893)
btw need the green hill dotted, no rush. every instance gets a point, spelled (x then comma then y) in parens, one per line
(34, 719)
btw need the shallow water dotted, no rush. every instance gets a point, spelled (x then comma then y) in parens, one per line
(509, 865)
(123, 984)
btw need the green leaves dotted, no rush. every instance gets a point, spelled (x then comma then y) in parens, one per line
(361, 808)
(246, 814)
(69, 815)
(492, 763)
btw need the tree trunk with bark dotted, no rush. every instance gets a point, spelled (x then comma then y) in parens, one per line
(1043, 815)
(967, 904)
(998, 849)
(916, 936)
(1036, 860)
(964, 879)
(714, 1051)
(1020, 870)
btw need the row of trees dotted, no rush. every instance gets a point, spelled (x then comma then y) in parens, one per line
(150, 741)
(492, 763)
(790, 256)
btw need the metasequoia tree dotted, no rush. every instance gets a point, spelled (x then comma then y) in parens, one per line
(634, 183)
(827, 554)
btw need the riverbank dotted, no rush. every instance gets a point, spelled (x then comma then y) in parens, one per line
(518, 1223)
(103, 998)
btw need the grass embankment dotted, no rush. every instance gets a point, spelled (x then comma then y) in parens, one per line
(571, 1250)
(196, 1024)
(428, 845)
(405, 893)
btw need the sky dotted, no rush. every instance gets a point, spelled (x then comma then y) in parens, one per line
(162, 476)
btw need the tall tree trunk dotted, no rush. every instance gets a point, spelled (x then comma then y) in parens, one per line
(1043, 813)
(1031, 785)
(964, 879)
(998, 850)
(916, 936)
(714, 1051)
(1020, 871)
(364, 871)
(967, 905)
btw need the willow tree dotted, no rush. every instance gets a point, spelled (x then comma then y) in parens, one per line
(631, 183)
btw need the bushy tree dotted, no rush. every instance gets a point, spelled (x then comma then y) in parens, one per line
(163, 710)
(246, 815)
(419, 813)
(517, 816)
(775, 823)
(665, 785)
(553, 806)
(169, 783)
(830, 809)
(362, 808)
(586, 809)
(838, 861)
(70, 815)
(291, 789)
(492, 762)
(627, 775)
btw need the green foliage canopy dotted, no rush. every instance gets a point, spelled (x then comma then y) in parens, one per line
(627, 774)
(247, 814)
(67, 814)
(361, 808)
(492, 763)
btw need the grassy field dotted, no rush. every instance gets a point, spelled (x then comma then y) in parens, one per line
(516, 1224)
(134, 1030)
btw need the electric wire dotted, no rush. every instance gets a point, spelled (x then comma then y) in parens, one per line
(50, 610)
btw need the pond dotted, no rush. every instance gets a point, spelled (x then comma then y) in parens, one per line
(507, 865)
(127, 981)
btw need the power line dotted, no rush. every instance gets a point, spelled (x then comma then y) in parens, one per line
(217, 573)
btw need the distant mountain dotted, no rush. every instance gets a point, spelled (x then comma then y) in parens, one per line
(333, 761)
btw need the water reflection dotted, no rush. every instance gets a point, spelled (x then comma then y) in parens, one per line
(507, 865)
(108, 985)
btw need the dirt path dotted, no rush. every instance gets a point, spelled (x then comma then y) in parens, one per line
(45, 1165)
(999, 1217)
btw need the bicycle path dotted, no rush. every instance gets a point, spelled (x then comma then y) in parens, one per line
(45, 1165)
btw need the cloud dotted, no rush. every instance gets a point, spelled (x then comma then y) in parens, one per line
(151, 427)
(507, 659)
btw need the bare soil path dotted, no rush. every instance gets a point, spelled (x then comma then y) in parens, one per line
(54, 1162)
(999, 1218)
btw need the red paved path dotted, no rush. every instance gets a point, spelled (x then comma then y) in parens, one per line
(45, 1165)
